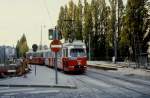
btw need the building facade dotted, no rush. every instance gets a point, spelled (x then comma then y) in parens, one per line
(7, 53)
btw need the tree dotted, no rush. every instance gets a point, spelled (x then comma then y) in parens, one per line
(78, 20)
(146, 26)
(22, 47)
(95, 24)
(60, 22)
(87, 24)
(17, 49)
(113, 4)
(112, 28)
(66, 21)
(123, 42)
(134, 25)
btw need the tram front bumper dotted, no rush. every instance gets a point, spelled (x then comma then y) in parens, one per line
(76, 68)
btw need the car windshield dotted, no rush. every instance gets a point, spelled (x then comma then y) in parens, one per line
(77, 53)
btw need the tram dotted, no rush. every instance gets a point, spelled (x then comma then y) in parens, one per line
(36, 57)
(72, 57)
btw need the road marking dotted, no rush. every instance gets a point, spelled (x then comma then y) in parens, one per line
(2, 88)
(46, 91)
(10, 94)
(15, 90)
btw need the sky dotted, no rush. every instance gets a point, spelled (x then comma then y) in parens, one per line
(29, 17)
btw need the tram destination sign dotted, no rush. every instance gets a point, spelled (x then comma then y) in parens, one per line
(56, 45)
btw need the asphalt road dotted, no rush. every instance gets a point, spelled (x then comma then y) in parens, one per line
(93, 84)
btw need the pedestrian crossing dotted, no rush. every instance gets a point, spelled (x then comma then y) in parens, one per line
(8, 91)
(45, 91)
(2, 88)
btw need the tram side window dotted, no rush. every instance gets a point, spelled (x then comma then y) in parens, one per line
(45, 55)
(42, 54)
(59, 54)
(48, 54)
(65, 52)
(34, 54)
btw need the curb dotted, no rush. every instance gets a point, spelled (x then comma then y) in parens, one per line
(52, 86)
(103, 67)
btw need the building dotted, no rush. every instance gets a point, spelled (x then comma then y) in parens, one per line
(7, 53)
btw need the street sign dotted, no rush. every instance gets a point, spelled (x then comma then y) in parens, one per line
(34, 48)
(56, 45)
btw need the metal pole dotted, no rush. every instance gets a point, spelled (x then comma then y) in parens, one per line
(35, 70)
(56, 75)
(41, 38)
(89, 48)
(34, 67)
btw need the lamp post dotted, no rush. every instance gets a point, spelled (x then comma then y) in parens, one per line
(41, 36)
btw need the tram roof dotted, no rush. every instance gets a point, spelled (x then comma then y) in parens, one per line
(31, 51)
(77, 42)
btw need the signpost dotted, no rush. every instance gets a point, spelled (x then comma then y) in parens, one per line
(34, 48)
(56, 46)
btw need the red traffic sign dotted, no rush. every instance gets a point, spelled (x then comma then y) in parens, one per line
(56, 45)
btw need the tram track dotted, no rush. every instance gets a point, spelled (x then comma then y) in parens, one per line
(91, 86)
(121, 83)
(122, 78)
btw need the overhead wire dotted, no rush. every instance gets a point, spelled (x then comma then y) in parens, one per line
(46, 8)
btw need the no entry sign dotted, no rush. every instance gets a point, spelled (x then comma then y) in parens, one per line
(56, 45)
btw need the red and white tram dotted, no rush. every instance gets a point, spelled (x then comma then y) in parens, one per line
(72, 57)
(36, 57)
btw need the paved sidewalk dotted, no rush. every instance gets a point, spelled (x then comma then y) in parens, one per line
(121, 67)
(106, 65)
(45, 77)
(132, 72)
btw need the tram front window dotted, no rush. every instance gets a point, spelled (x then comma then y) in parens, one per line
(77, 53)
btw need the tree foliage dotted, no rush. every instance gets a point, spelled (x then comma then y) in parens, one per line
(22, 47)
(130, 23)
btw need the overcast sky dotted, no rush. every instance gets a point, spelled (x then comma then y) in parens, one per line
(28, 16)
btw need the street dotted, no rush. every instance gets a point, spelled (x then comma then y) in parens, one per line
(93, 84)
